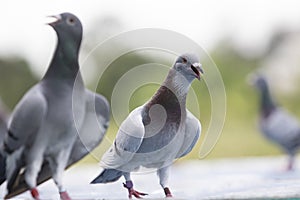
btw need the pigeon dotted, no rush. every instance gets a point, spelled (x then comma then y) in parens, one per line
(3, 130)
(54, 123)
(95, 125)
(277, 124)
(156, 133)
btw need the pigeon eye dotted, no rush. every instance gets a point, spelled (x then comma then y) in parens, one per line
(71, 21)
(184, 60)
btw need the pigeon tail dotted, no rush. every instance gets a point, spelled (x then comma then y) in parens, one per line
(107, 176)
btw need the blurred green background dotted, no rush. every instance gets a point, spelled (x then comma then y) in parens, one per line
(240, 136)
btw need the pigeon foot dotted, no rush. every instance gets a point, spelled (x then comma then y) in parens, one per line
(35, 193)
(132, 192)
(64, 196)
(167, 192)
(136, 194)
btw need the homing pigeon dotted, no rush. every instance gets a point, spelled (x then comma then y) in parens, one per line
(156, 133)
(277, 124)
(57, 122)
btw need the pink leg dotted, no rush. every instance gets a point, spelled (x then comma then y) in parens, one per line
(64, 196)
(35, 193)
(131, 191)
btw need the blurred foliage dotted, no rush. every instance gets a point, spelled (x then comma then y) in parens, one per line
(240, 136)
(15, 79)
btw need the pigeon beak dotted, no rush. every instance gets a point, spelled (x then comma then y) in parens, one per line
(54, 19)
(197, 68)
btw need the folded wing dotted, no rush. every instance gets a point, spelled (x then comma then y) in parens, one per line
(127, 142)
(90, 135)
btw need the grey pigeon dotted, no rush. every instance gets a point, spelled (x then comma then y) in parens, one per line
(90, 135)
(276, 123)
(3, 130)
(53, 125)
(156, 133)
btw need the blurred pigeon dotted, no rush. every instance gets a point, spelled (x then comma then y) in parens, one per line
(53, 117)
(275, 123)
(155, 134)
(3, 129)
(90, 135)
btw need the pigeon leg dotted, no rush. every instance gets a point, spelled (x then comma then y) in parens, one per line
(64, 195)
(163, 174)
(57, 166)
(290, 165)
(129, 185)
(35, 193)
(31, 174)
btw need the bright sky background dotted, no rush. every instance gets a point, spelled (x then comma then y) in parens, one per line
(249, 22)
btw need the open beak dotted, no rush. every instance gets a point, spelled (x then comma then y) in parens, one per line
(197, 68)
(54, 19)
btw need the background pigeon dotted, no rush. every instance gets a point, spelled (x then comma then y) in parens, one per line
(275, 123)
(155, 134)
(53, 117)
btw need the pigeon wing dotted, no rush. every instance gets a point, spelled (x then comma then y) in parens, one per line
(94, 127)
(128, 140)
(282, 128)
(23, 126)
(192, 134)
(25, 120)
(91, 134)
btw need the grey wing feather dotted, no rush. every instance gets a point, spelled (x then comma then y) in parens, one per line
(282, 128)
(192, 134)
(91, 134)
(25, 120)
(94, 126)
(23, 126)
(128, 140)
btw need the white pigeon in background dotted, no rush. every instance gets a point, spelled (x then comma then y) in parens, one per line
(53, 117)
(156, 133)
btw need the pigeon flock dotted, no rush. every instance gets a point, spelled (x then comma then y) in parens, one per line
(59, 121)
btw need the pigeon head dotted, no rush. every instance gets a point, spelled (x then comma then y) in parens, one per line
(68, 28)
(189, 66)
(258, 81)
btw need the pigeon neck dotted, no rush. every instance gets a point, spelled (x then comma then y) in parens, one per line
(173, 91)
(178, 84)
(267, 103)
(64, 63)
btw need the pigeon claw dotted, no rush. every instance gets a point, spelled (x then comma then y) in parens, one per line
(136, 194)
(64, 196)
(132, 192)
